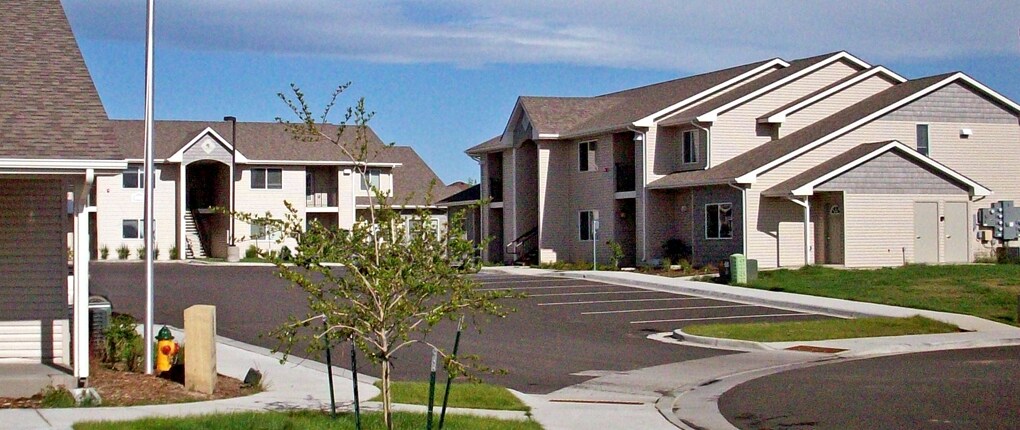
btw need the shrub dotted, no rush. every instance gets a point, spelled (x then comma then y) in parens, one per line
(617, 254)
(56, 397)
(285, 254)
(676, 250)
(141, 252)
(123, 343)
(1005, 255)
(174, 253)
(123, 252)
(251, 252)
(104, 252)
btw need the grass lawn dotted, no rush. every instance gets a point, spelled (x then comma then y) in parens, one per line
(986, 291)
(822, 329)
(310, 420)
(462, 395)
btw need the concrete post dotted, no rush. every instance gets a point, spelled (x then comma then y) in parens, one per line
(200, 348)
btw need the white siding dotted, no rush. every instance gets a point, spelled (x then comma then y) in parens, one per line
(880, 230)
(260, 201)
(20, 341)
(114, 204)
(834, 103)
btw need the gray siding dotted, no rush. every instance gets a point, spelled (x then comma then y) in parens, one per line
(206, 148)
(33, 250)
(707, 251)
(891, 173)
(669, 157)
(953, 103)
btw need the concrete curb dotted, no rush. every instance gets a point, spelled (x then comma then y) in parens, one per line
(718, 342)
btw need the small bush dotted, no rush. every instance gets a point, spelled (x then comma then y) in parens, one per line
(1004, 255)
(141, 252)
(174, 253)
(104, 252)
(617, 254)
(285, 254)
(676, 250)
(123, 343)
(123, 252)
(56, 397)
(251, 252)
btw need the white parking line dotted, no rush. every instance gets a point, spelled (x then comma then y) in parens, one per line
(524, 282)
(592, 293)
(626, 311)
(545, 287)
(717, 318)
(594, 302)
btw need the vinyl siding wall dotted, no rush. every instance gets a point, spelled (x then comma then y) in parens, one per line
(591, 190)
(114, 204)
(879, 228)
(554, 191)
(260, 201)
(834, 103)
(737, 130)
(33, 259)
(992, 144)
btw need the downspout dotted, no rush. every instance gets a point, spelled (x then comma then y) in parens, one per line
(743, 216)
(807, 225)
(644, 192)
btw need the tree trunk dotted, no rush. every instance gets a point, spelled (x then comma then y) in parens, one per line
(387, 401)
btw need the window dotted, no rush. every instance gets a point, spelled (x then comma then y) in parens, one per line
(134, 177)
(587, 224)
(261, 232)
(690, 146)
(133, 229)
(586, 156)
(719, 221)
(372, 179)
(267, 179)
(922, 138)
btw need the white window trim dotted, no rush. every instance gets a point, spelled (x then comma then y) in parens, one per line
(140, 228)
(268, 233)
(265, 183)
(592, 156)
(594, 215)
(695, 137)
(917, 148)
(718, 223)
(363, 183)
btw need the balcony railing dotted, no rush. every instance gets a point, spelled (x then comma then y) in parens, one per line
(496, 189)
(320, 200)
(624, 177)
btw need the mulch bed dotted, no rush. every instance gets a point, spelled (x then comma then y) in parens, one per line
(118, 388)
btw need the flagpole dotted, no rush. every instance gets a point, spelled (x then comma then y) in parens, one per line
(148, 170)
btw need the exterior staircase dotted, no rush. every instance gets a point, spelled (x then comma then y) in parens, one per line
(193, 247)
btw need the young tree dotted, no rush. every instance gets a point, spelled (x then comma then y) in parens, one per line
(399, 279)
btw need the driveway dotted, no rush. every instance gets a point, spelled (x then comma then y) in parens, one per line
(956, 389)
(565, 332)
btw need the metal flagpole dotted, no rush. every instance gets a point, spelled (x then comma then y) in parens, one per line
(148, 173)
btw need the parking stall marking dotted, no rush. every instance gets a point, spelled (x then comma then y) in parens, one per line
(592, 293)
(545, 287)
(511, 281)
(720, 318)
(627, 311)
(595, 302)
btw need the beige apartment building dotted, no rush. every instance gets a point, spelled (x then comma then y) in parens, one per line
(820, 160)
(253, 168)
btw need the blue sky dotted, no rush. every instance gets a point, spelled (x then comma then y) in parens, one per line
(444, 75)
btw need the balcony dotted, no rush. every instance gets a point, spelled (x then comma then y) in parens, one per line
(320, 200)
(624, 177)
(496, 189)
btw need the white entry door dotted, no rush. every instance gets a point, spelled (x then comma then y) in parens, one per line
(956, 233)
(926, 232)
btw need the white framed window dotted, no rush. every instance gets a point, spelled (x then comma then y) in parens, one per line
(586, 156)
(719, 221)
(133, 177)
(133, 229)
(923, 139)
(373, 179)
(262, 179)
(260, 232)
(689, 146)
(587, 223)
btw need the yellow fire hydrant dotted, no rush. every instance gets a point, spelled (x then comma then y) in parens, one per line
(166, 348)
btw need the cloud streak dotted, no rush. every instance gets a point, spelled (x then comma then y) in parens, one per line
(658, 34)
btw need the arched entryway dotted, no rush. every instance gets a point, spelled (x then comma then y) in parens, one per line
(206, 229)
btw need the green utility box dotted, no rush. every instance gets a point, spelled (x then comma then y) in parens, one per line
(738, 269)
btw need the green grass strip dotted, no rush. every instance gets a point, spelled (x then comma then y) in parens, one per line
(822, 329)
(462, 395)
(985, 291)
(310, 420)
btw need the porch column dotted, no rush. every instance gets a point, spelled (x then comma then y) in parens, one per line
(806, 204)
(80, 347)
(182, 207)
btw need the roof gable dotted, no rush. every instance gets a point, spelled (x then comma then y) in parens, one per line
(779, 114)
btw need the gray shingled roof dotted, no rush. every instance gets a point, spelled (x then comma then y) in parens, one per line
(766, 153)
(471, 194)
(795, 67)
(49, 107)
(487, 146)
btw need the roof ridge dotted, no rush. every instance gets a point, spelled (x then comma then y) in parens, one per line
(755, 63)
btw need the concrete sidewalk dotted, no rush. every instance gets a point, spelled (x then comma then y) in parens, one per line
(687, 393)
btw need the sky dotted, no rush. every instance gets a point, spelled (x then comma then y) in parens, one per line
(443, 76)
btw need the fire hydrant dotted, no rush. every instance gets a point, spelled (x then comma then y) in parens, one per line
(166, 348)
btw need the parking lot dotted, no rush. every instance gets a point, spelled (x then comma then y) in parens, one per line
(564, 332)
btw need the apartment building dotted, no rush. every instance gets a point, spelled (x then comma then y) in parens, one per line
(827, 160)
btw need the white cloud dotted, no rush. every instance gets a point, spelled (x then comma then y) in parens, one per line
(661, 34)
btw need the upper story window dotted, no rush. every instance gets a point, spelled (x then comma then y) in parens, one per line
(719, 221)
(922, 138)
(267, 179)
(133, 229)
(586, 156)
(373, 179)
(689, 146)
(134, 176)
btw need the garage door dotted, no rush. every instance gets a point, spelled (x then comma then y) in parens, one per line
(33, 268)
